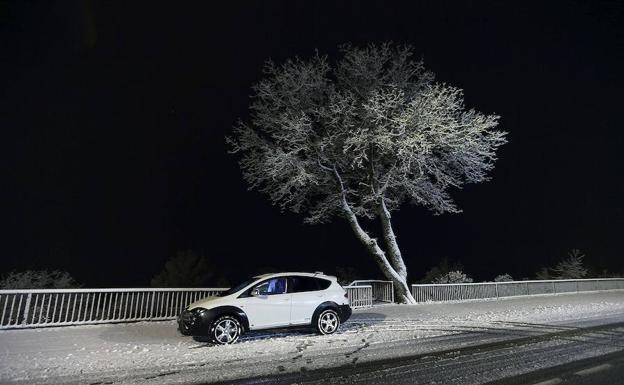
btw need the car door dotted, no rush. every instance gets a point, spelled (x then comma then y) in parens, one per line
(306, 296)
(270, 307)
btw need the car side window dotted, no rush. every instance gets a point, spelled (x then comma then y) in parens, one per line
(300, 284)
(322, 283)
(272, 286)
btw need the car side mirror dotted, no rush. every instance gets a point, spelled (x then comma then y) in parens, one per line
(255, 292)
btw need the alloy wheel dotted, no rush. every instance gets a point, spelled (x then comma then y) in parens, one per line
(226, 331)
(328, 322)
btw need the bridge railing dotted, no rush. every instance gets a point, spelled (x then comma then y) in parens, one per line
(382, 291)
(484, 290)
(360, 296)
(57, 307)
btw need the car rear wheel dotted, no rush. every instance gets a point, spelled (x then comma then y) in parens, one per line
(328, 322)
(225, 330)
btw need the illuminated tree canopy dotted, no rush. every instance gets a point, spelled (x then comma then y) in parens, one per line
(360, 138)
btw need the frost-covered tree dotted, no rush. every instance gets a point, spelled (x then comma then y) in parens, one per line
(571, 267)
(453, 277)
(503, 278)
(360, 137)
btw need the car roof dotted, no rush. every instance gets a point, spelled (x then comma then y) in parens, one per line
(304, 274)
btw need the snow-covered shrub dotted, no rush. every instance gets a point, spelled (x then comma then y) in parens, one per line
(443, 268)
(38, 279)
(571, 267)
(503, 278)
(453, 277)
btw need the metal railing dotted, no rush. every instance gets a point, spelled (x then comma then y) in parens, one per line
(57, 307)
(60, 307)
(360, 296)
(484, 290)
(383, 291)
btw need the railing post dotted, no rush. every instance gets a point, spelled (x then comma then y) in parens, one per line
(26, 309)
(152, 305)
(496, 286)
(554, 287)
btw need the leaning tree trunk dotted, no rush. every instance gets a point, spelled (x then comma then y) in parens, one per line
(401, 289)
(392, 247)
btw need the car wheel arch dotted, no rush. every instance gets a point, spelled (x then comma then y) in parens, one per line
(322, 307)
(234, 312)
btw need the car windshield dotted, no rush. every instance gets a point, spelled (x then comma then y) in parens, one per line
(238, 287)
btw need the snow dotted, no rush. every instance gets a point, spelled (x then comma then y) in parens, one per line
(147, 352)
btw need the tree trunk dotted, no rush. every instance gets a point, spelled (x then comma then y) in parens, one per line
(401, 289)
(394, 253)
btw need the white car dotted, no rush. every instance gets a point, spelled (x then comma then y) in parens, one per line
(269, 301)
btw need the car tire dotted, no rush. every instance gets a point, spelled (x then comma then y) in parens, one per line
(327, 322)
(225, 330)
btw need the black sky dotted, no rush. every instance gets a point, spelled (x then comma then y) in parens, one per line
(114, 117)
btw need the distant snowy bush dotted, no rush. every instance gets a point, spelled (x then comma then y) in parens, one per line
(571, 267)
(38, 279)
(503, 278)
(443, 268)
(456, 276)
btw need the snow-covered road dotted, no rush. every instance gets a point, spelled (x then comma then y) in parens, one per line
(155, 352)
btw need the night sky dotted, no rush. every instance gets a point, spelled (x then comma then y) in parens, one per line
(114, 117)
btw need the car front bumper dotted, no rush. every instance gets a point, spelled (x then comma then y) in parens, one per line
(195, 322)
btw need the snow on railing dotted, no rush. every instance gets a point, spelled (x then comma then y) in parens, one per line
(383, 291)
(484, 290)
(57, 307)
(360, 296)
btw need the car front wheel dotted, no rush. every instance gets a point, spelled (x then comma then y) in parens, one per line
(225, 330)
(328, 322)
